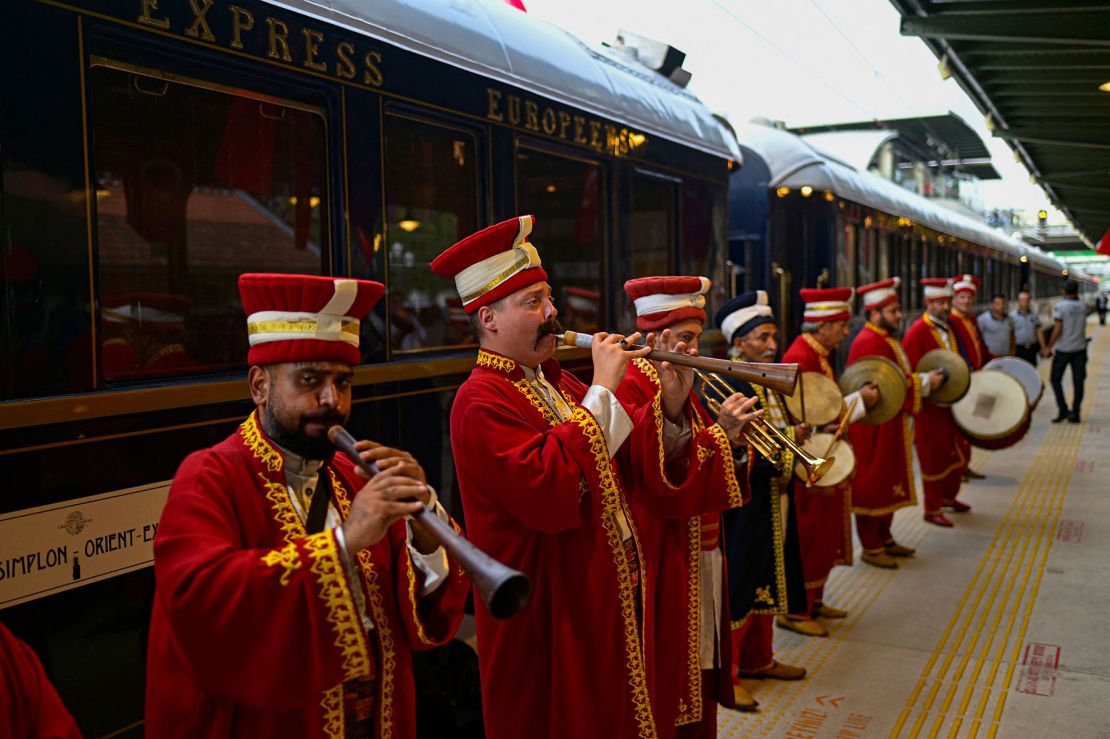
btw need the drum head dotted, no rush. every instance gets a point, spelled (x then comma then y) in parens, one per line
(959, 375)
(993, 408)
(1024, 373)
(824, 403)
(884, 373)
(1006, 441)
(842, 455)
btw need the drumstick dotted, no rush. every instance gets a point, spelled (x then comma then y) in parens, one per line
(843, 426)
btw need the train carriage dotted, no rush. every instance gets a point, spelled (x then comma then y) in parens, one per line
(152, 151)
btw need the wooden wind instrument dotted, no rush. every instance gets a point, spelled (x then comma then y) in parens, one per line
(782, 378)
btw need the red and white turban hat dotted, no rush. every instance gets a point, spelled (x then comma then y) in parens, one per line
(492, 263)
(936, 288)
(305, 318)
(664, 301)
(827, 304)
(963, 283)
(879, 294)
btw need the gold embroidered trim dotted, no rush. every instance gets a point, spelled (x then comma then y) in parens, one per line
(972, 330)
(611, 502)
(410, 575)
(261, 449)
(950, 345)
(332, 708)
(287, 557)
(763, 595)
(327, 566)
(690, 705)
(495, 361)
(537, 402)
(735, 495)
(377, 612)
(777, 607)
(652, 375)
(517, 266)
(348, 326)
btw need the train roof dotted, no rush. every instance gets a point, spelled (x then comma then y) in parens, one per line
(795, 162)
(494, 40)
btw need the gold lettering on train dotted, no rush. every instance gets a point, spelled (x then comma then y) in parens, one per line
(560, 123)
(345, 66)
(373, 74)
(146, 8)
(312, 41)
(241, 20)
(279, 34)
(199, 28)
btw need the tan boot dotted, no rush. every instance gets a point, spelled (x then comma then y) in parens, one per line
(879, 559)
(743, 699)
(824, 611)
(777, 671)
(803, 626)
(897, 550)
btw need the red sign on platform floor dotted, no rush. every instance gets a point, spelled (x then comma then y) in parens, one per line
(1039, 664)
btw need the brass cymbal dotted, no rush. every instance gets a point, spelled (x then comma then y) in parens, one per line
(824, 403)
(957, 373)
(887, 376)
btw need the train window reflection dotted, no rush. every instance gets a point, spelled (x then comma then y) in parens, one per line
(195, 185)
(431, 194)
(566, 197)
(650, 244)
(703, 239)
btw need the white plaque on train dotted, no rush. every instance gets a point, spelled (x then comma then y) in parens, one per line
(53, 548)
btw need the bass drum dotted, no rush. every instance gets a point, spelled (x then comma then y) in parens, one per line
(1024, 373)
(1007, 441)
(994, 409)
(842, 456)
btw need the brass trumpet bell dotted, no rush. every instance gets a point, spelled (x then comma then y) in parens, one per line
(763, 436)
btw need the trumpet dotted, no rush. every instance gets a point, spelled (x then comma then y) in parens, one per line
(763, 436)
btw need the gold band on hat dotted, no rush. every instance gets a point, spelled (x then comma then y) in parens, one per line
(297, 327)
(517, 266)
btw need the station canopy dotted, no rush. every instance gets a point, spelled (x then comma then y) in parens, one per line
(1040, 72)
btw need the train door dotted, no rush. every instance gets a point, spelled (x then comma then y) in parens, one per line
(650, 242)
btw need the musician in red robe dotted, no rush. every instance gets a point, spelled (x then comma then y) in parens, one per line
(883, 481)
(935, 434)
(764, 565)
(290, 591)
(692, 667)
(974, 350)
(534, 455)
(824, 513)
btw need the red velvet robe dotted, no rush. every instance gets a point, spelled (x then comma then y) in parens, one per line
(970, 343)
(542, 496)
(671, 533)
(936, 435)
(255, 626)
(30, 707)
(824, 514)
(883, 480)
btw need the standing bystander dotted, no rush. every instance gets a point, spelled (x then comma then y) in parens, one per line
(1068, 346)
(998, 328)
(1100, 306)
(1027, 329)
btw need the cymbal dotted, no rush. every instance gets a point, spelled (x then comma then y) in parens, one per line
(887, 376)
(958, 375)
(824, 403)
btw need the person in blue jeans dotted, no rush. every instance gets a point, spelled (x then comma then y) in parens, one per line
(1068, 347)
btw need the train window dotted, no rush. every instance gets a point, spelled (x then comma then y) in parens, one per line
(649, 243)
(868, 257)
(566, 195)
(195, 184)
(431, 195)
(703, 238)
(846, 255)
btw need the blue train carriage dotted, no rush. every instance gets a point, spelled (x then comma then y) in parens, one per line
(152, 150)
(801, 217)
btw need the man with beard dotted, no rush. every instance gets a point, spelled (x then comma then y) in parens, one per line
(290, 591)
(936, 437)
(545, 466)
(824, 513)
(883, 480)
(761, 539)
(681, 534)
(974, 350)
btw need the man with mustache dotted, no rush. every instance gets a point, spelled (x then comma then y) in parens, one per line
(936, 437)
(883, 480)
(824, 513)
(761, 539)
(681, 533)
(545, 468)
(290, 591)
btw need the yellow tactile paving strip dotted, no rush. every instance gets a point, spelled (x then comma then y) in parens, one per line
(961, 691)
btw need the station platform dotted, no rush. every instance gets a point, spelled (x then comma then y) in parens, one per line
(996, 628)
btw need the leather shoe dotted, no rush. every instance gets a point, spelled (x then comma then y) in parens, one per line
(897, 550)
(938, 519)
(881, 559)
(824, 611)
(743, 699)
(1073, 418)
(1061, 416)
(777, 671)
(803, 626)
(956, 506)
(970, 474)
